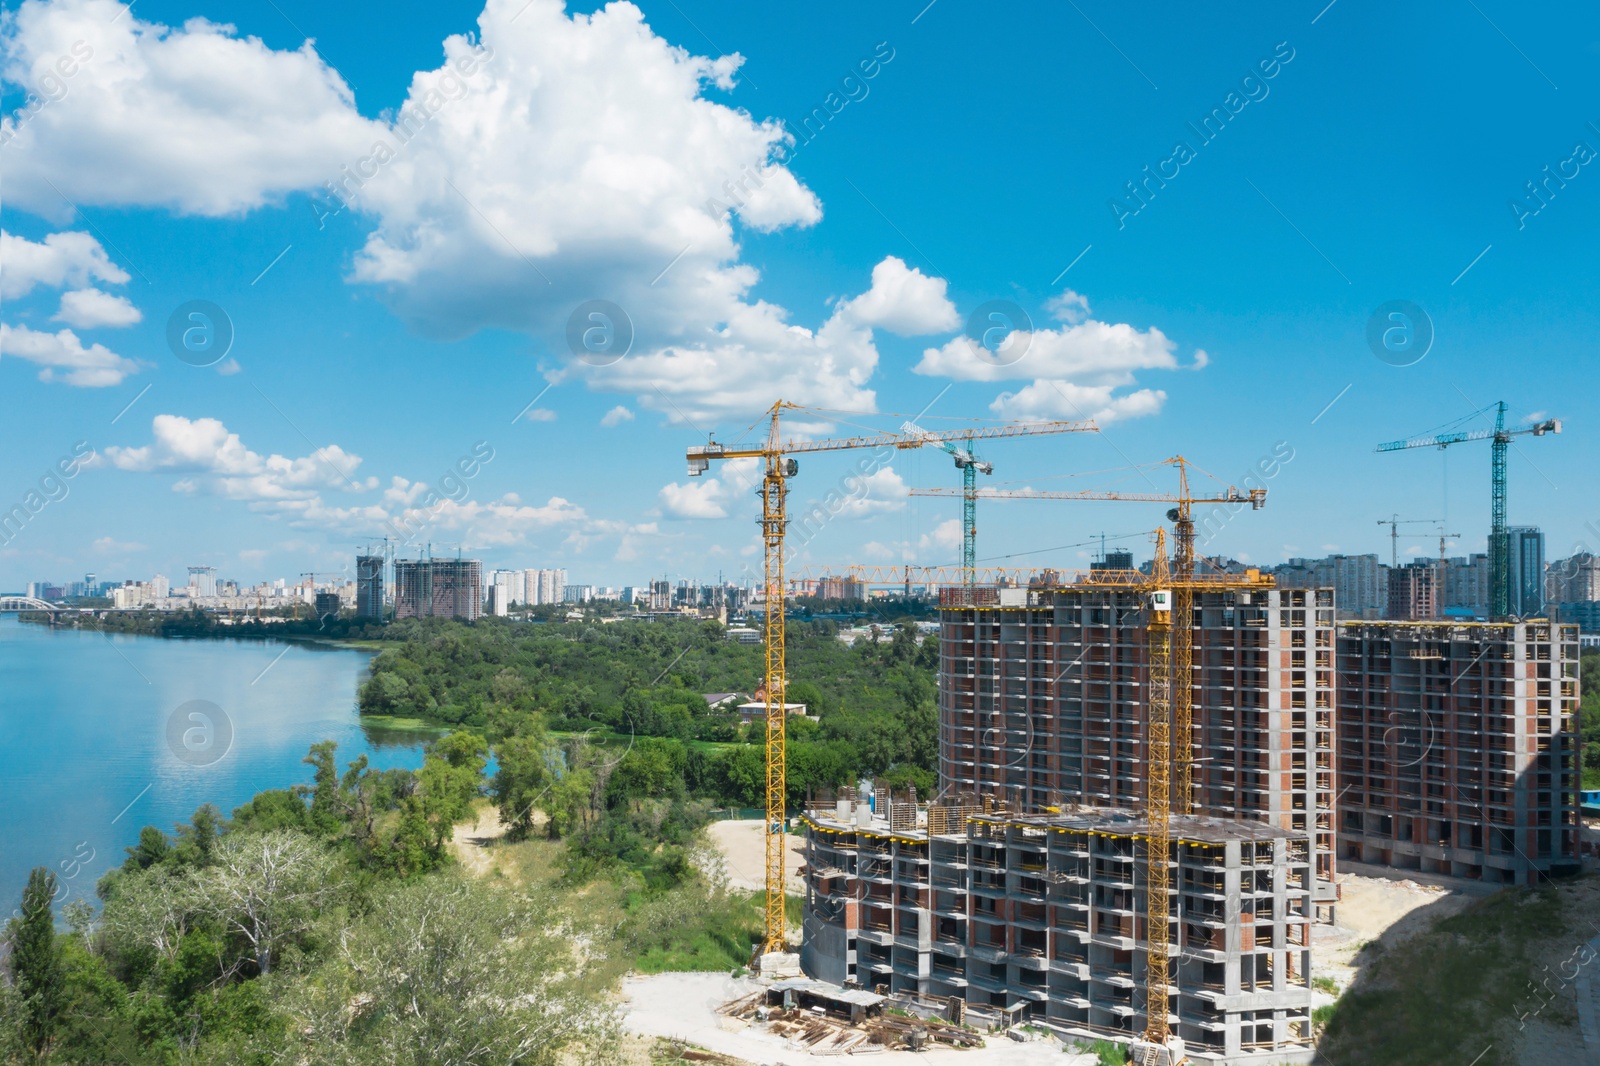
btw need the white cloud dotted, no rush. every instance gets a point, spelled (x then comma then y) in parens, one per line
(109, 545)
(205, 447)
(903, 300)
(1102, 352)
(734, 370)
(216, 461)
(229, 367)
(195, 118)
(1070, 307)
(857, 497)
(709, 495)
(498, 522)
(93, 309)
(945, 536)
(64, 357)
(59, 260)
(616, 416)
(1075, 369)
(1051, 399)
(539, 414)
(580, 163)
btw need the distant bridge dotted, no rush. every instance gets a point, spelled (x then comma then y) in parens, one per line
(14, 604)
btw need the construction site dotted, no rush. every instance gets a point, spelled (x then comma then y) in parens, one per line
(1147, 780)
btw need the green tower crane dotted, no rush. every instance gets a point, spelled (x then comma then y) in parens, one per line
(1499, 538)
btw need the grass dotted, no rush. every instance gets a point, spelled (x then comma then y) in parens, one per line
(1325, 984)
(1442, 995)
(403, 725)
(1110, 1054)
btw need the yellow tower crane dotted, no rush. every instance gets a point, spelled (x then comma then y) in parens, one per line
(1169, 712)
(777, 454)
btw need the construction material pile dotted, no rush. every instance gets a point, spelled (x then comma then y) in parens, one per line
(823, 1032)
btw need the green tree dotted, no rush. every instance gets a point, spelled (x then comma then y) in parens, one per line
(36, 967)
(268, 889)
(448, 969)
(153, 847)
(522, 779)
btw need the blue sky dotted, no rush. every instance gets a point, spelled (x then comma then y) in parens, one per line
(1365, 155)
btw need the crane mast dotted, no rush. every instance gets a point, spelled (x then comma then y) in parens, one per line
(778, 468)
(1158, 802)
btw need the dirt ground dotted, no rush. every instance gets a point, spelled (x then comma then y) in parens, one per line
(470, 841)
(743, 846)
(1383, 909)
(683, 1006)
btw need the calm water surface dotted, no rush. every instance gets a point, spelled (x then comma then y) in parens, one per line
(97, 738)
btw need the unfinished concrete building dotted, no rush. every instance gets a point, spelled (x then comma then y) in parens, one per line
(438, 588)
(1041, 703)
(1042, 917)
(1458, 749)
(1042, 706)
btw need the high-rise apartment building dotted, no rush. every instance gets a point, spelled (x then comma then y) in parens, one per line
(1413, 592)
(1466, 586)
(369, 586)
(1575, 579)
(438, 588)
(1360, 583)
(1041, 702)
(1526, 580)
(203, 582)
(1458, 748)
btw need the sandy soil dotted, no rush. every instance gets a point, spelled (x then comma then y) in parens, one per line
(1384, 909)
(682, 1006)
(470, 841)
(743, 846)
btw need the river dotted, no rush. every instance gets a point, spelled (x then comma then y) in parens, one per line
(100, 735)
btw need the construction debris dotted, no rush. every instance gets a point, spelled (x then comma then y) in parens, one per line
(825, 1019)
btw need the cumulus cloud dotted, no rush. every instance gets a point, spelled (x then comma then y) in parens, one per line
(213, 460)
(64, 357)
(1076, 369)
(507, 189)
(195, 118)
(1070, 307)
(1091, 350)
(709, 495)
(61, 259)
(903, 300)
(582, 160)
(616, 416)
(206, 448)
(945, 536)
(93, 309)
(1049, 398)
(755, 354)
(857, 497)
(549, 159)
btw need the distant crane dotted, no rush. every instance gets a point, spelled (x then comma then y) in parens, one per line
(1394, 523)
(311, 590)
(1499, 538)
(777, 454)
